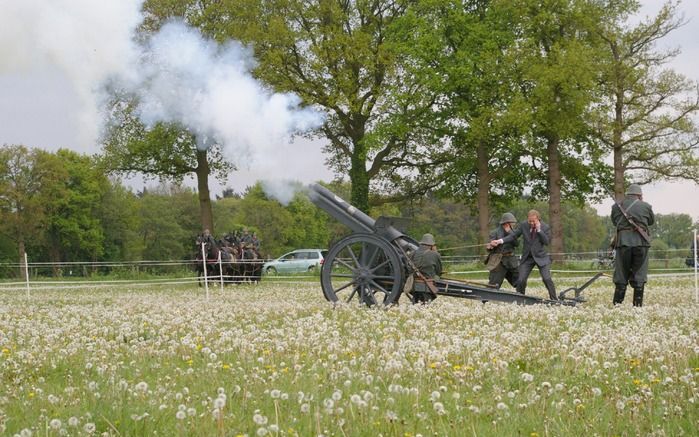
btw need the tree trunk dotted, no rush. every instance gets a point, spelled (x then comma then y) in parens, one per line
(55, 256)
(22, 251)
(554, 183)
(359, 179)
(618, 151)
(202, 172)
(618, 175)
(483, 193)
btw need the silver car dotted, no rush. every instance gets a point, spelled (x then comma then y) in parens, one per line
(298, 261)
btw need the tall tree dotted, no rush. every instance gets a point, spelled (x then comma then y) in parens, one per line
(21, 211)
(164, 151)
(71, 196)
(462, 50)
(557, 57)
(335, 54)
(646, 114)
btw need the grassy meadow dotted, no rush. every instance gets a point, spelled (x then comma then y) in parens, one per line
(276, 359)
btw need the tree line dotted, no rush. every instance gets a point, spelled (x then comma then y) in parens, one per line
(63, 207)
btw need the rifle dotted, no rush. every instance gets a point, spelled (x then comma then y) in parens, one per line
(633, 223)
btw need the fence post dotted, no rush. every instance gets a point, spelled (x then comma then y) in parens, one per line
(696, 276)
(26, 272)
(206, 278)
(220, 269)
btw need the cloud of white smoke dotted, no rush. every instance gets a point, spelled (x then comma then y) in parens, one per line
(208, 88)
(88, 41)
(178, 75)
(282, 190)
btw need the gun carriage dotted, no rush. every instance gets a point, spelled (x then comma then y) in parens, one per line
(373, 263)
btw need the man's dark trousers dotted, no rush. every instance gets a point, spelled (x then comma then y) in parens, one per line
(525, 268)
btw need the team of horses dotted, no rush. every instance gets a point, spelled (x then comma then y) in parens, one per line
(238, 263)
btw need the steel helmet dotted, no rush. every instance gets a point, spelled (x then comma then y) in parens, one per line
(428, 240)
(508, 217)
(634, 189)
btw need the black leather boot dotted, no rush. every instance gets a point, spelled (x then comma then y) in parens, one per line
(619, 293)
(638, 296)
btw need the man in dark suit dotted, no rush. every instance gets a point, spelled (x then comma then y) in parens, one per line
(536, 235)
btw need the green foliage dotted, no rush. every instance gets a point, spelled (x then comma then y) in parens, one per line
(168, 223)
(72, 200)
(676, 230)
(120, 221)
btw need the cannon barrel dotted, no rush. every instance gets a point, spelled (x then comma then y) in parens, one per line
(355, 219)
(342, 211)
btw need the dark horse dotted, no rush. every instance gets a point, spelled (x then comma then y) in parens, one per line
(211, 251)
(251, 262)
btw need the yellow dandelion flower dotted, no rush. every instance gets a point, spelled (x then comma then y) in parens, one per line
(190, 362)
(433, 365)
(636, 381)
(226, 366)
(533, 434)
(5, 351)
(31, 394)
(457, 367)
(200, 347)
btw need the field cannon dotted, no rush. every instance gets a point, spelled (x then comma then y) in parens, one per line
(373, 263)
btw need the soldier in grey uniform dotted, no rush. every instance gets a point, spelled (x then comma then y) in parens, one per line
(631, 261)
(502, 262)
(429, 262)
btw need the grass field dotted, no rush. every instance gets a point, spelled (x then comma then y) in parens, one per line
(276, 359)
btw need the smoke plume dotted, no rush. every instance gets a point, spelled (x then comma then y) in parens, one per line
(88, 41)
(177, 75)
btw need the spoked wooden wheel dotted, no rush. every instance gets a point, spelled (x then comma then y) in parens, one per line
(365, 267)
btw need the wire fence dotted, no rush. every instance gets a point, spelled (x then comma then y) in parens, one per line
(146, 273)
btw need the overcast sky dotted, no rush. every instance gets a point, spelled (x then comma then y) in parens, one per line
(40, 107)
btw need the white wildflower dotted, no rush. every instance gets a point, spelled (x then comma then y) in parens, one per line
(55, 423)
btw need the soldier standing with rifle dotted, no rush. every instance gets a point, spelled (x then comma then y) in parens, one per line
(631, 217)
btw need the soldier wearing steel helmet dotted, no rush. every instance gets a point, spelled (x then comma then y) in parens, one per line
(502, 262)
(429, 262)
(631, 261)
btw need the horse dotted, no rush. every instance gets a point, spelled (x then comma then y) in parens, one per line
(211, 252)
(252, 263)
(230, 257)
